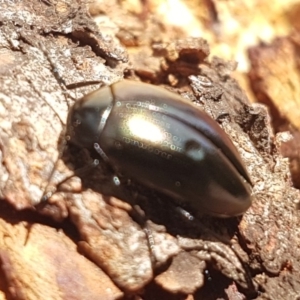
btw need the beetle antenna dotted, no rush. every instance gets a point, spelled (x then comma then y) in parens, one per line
(77, 85)
(45, 100)
(48, 193)
(64, 87)
(62, 83)
(55, 71)
(62, 143)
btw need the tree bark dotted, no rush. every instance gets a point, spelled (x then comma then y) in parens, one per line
(47, 48)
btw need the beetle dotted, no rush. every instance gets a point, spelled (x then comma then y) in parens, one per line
(165, 143)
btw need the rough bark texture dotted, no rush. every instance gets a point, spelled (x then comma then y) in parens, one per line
(275, 80)
(87, 243)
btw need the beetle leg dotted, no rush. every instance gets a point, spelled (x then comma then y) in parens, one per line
(78, 172)
(202, 227)
(116, 180)
(140, 217)
(101, 152)
(151, 242)
(185, 213)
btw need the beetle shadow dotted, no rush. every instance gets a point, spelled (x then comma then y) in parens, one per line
(158, 208)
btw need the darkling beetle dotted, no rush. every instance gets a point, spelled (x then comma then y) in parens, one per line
(165, 143)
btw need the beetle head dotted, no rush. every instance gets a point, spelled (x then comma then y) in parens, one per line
(88, 116)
